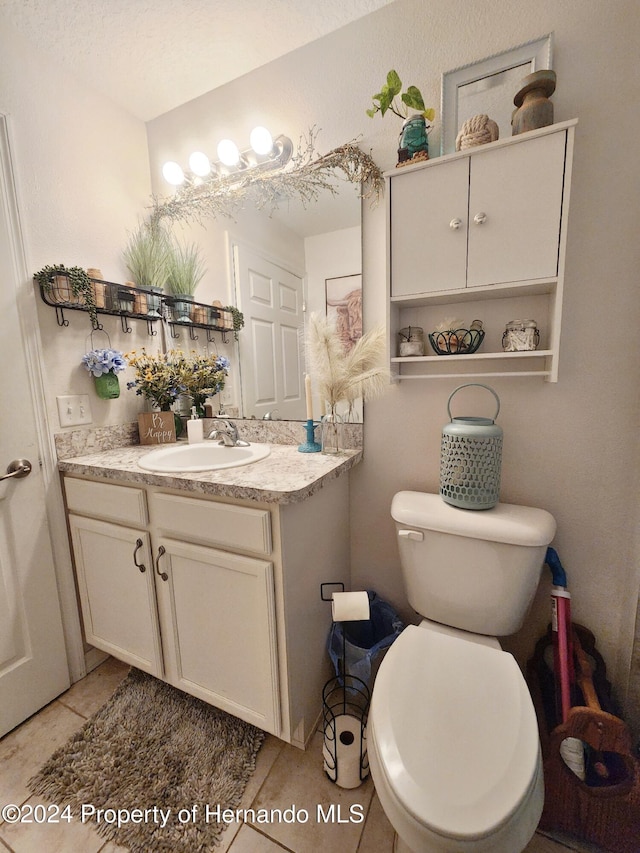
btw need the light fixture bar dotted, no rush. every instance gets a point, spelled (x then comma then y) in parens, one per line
(265, 154)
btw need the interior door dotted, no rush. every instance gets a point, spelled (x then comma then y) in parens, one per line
(33, 662)
(271, 360)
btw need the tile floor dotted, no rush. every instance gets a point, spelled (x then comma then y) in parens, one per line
(284, 776)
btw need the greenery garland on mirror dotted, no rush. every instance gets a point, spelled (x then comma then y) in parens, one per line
(308, 176)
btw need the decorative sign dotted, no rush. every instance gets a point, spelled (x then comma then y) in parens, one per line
(156, 427)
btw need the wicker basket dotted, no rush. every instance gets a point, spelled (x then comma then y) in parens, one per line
(608, 814)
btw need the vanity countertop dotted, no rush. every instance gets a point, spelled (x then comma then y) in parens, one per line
(285, 476)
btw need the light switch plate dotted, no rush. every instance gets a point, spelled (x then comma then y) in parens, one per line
(74, 409)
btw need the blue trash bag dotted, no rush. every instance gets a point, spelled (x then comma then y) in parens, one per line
(366, 641)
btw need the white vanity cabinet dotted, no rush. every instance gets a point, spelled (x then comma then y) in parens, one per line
(218, 597)
(481, 235)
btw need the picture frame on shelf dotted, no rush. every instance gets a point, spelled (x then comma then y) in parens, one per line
(489, 87)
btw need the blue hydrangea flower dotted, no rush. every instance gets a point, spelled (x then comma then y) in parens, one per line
(100, 361)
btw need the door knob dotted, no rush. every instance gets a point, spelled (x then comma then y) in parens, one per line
(455, 224)
(480, 218)
(18, 468)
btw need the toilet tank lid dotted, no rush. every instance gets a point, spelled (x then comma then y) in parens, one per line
(506, 523)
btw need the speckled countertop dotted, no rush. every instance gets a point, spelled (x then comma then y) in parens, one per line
(285, 476)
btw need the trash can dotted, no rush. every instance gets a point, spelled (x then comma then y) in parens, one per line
(364, 643)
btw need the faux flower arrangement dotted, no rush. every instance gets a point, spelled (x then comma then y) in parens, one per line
(161, 378)
(104, 365)
(157, 376)
(202, 376)
(99, 361)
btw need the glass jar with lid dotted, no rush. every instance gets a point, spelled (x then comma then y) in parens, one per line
(520, 336)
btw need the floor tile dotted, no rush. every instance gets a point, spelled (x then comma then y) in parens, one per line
(378, 833)
(24, 750)
(90, 693)
(61, 837)
(326, 817)
(250, 841)
(269, 752)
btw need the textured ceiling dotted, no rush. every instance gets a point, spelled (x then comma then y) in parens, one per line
(153, 55)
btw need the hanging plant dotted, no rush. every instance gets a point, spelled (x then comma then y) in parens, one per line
(238, 318)
(80, 286)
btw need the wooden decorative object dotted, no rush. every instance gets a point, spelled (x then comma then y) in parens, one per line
(157, 427)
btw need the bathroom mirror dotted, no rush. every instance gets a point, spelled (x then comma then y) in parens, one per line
(278, 238)
(282, 265)
(489, 87)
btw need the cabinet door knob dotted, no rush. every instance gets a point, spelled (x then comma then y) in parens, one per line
(138, 565)
(455, 224)
(480, 218)
(163, 575)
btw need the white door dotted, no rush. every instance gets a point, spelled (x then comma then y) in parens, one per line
(33, 662)
(271, 353)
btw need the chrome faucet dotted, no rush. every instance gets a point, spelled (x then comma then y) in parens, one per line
(227, 432)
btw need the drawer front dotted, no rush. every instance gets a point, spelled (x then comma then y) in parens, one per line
(105, 500)
(212, 523)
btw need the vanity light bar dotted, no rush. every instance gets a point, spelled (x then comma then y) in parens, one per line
(264, 154)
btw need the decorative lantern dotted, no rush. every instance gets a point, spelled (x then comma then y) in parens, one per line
(471, 457)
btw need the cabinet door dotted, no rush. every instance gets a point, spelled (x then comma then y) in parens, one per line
(219, 628)
(118, 599)
(429, 210)
(515, 204)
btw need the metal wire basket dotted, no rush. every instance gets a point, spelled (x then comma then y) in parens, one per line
(456, 341)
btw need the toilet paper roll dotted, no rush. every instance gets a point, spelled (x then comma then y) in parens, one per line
(349, 606)
(341, 750)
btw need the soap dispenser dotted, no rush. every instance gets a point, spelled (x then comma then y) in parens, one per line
(195, 432)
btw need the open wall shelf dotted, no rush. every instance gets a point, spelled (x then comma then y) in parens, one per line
(139, 304)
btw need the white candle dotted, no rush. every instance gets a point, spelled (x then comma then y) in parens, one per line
(307, 388)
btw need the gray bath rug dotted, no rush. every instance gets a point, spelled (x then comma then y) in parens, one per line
(151, 767)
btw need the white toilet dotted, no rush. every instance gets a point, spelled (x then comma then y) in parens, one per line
(452, 732)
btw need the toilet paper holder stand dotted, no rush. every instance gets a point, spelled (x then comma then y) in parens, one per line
(345, 708)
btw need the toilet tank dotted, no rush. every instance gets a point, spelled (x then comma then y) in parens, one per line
(473, 570)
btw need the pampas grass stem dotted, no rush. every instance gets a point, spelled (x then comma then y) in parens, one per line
(345, 376)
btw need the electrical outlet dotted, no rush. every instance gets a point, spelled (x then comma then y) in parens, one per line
(74, 409)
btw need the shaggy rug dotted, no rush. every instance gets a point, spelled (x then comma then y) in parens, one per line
(151, 767)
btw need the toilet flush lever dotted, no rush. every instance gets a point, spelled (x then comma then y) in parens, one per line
(416, 535)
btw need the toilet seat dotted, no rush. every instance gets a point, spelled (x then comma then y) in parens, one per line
(455, 733)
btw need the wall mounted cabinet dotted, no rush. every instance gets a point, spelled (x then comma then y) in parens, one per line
(481, 234)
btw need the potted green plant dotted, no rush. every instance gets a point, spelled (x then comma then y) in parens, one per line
(69, 285)
(185, 270)
(146, 255)
(413, 137)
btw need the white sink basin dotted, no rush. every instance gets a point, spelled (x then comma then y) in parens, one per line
(208, 456)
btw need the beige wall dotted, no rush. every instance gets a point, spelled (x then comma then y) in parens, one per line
(570, 447)
(82, 175)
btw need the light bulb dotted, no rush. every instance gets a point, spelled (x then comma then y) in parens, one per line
(261, 140)
(228, 152)
(199, 164)
(173, 174)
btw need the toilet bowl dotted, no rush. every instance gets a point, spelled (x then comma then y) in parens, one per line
(453, 744)
(452, 733)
